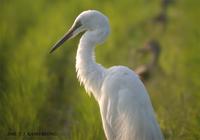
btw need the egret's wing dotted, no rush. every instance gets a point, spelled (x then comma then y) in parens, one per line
(127, 110)
(135, 116)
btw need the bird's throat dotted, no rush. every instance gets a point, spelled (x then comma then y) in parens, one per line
(89, 73)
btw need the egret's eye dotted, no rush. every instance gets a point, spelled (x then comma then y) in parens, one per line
(78, 24)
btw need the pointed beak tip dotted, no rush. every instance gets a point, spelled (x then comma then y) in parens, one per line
(61, 41)
(66, 37)
(51, 50)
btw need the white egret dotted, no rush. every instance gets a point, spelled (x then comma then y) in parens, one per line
(125, 106)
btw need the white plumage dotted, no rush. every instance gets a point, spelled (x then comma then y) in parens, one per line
(125, 106)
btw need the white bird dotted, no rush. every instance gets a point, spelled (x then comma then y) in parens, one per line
(125, 107)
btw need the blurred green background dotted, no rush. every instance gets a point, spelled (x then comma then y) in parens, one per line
(39, 92)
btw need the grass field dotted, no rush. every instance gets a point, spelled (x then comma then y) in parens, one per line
(39, 92)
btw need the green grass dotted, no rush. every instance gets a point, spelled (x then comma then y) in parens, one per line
(40, 92)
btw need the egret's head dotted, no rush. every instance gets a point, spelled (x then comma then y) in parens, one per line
(87, 21)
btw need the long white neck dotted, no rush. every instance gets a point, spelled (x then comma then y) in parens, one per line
(89, 73)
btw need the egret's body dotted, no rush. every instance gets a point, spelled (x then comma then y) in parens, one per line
(125, 107)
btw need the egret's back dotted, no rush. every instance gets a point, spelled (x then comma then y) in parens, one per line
(126, 107)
